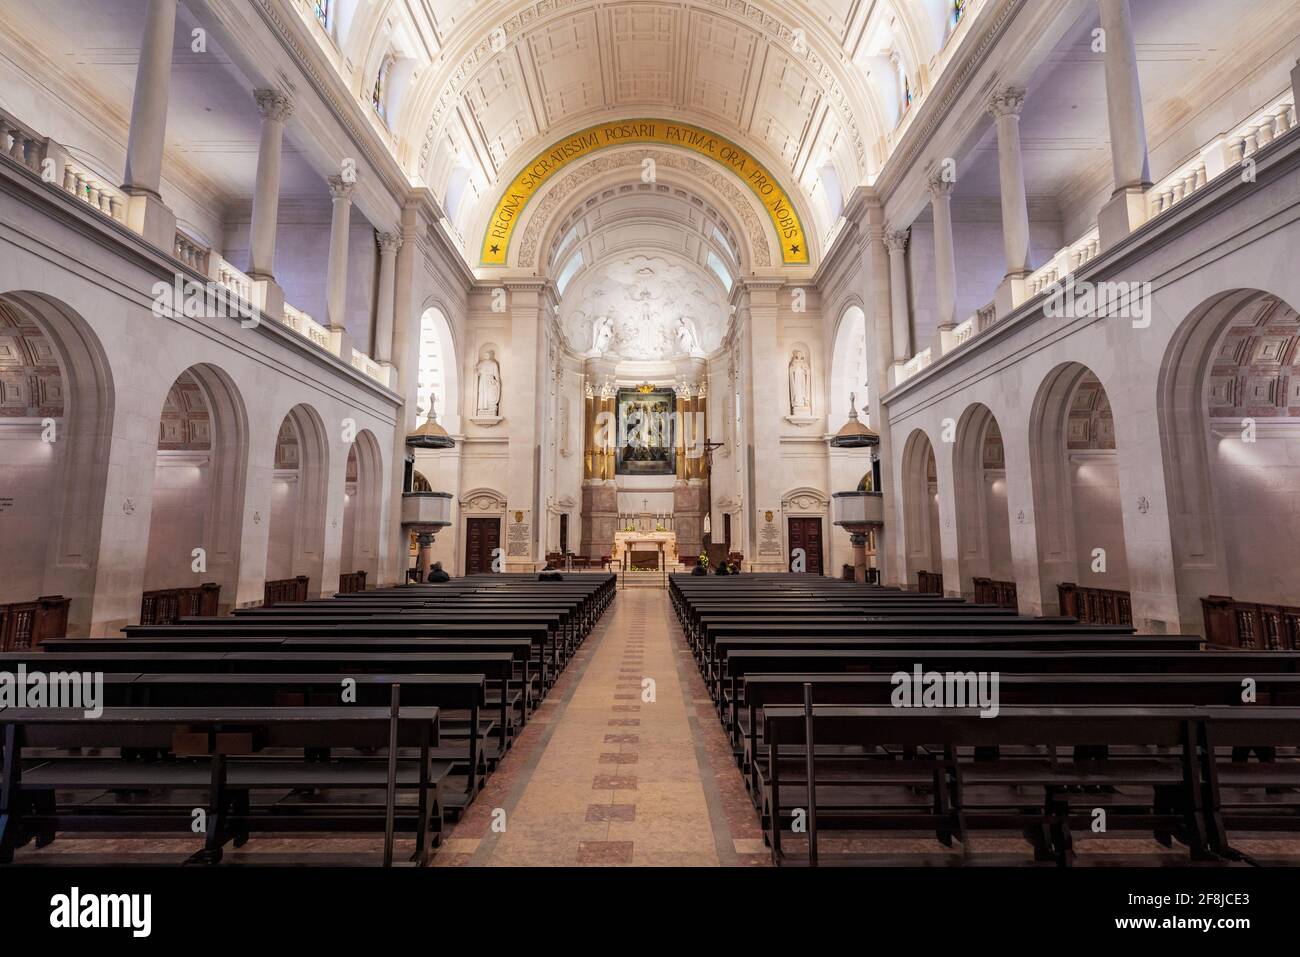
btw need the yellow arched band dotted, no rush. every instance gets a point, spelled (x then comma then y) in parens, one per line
(496, 241)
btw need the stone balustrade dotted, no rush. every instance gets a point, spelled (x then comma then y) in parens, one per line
(1067, 260)
(962, 332)
(915, 364)
(90, 188)
(1223, 153)
(57, 167)
(236, 280)
(192, 253)
(370, 367)
(307, 327)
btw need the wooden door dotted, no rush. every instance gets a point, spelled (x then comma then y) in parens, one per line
(482, 537)
(806, 533)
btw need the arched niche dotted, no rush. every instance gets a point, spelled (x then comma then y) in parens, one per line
(980, 489)
(296, 537)
(56, 424)
(439, 372)
(363, 495)
(198, 489)
(1075, 476)
(920, 507)
(1229, 414)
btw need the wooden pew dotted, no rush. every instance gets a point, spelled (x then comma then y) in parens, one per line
(762, 690)
(234, 756)
(899, 769)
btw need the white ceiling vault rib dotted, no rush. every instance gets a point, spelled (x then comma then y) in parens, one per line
(736, 66)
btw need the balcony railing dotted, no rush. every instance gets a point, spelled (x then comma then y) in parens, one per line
(55, 165)
(1223, 154)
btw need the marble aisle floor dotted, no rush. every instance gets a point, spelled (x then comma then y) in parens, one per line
(625, 763)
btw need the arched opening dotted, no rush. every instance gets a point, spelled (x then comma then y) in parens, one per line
(921, 508)
(983, 522)
(361, 503)
(848, 365)
(198, 496)
(296, 538)
(438, 375)
(1077, 513)
(56, 414)
(1230, 424)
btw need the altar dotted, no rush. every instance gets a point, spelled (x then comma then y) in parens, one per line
(657, 550)
(645, 543)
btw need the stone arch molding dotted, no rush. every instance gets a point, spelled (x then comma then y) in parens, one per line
(831, 77)
(723, 183)
(805, 499)
(483, 500)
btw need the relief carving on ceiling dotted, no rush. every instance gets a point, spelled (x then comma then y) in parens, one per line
(509, 31)
(716, 178)
(642, 301)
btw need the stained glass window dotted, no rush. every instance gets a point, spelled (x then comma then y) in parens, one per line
(379, 97)
(322, 12)
(958, 10)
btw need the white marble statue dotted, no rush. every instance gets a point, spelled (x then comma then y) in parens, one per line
(489, 385)
(800, 384)
(602, 331)
(686, 336)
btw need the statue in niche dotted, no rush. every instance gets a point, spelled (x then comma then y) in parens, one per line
(489, 385)
(602, 331)
(686, 336)
(800, 384)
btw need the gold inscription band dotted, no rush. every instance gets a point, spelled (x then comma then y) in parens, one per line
(496, 242)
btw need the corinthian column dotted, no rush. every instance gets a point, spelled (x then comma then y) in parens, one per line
(899, 314)
(275, 108)
(337, 270)
(945, 260)
(389, 244)
(1005, 106)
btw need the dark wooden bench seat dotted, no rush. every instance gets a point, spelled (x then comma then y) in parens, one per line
(714, 669)
(1160, 772)
(252, 751)
(763, 690)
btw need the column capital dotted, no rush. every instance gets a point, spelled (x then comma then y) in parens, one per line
(341, 188)
(1006, 102)
(896, 239)
(389, 243)
(941, 187)
(273, 104)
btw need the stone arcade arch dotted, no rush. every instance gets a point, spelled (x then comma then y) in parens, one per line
(361, 508)
(980, 488)
(198, 488)
(1229, 414)
(296, 538)
(920, 507)
(55, 373)
(847, 362)
(1075, 471)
